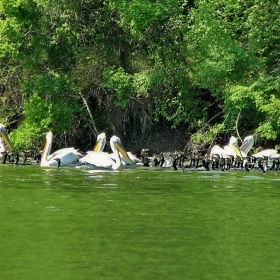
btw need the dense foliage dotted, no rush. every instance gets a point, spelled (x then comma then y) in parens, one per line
(78, 67)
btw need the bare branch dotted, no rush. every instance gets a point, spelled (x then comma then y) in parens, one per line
(236, 126)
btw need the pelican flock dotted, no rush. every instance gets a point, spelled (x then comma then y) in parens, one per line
(230, 156)
(127, 158)
(107, 161)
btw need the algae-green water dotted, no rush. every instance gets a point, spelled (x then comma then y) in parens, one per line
(143, 223)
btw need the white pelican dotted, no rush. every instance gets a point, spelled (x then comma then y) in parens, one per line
(128, 159)
(232, 148)
(61, 157)
(100, 143)
(105, 161)
(4, 142)
(227, 155)
(228, 151)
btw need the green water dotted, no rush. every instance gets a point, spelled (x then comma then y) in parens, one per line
(63, 223)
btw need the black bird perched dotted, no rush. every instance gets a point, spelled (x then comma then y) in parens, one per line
(6, 157)
(58, 162)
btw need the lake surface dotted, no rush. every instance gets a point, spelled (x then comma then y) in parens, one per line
(64, 223)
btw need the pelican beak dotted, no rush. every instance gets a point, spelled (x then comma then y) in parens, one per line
(7, 140)
(236, 149)
(43, 152)
(47, 147)
(121, 149)
(244, 146)
(96, 147)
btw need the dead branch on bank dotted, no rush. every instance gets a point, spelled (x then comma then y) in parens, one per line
(236, 126)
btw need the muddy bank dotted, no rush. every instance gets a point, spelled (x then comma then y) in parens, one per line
(156, 141)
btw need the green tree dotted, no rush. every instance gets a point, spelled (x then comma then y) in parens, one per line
(60, 49)
(235, 57)
(92, 64)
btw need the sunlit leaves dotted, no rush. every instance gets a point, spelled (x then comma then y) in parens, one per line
(120, 83)
(230, 46)
(215, 55)
(207, 134)
(271, 126)
(139, 14)
(51, 105)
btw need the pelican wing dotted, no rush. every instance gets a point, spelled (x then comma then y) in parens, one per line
(226, 152)
(270, 153)
(98, 159)
(70, 153)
